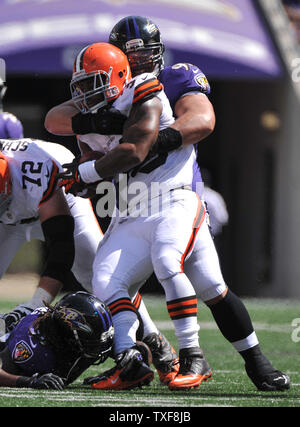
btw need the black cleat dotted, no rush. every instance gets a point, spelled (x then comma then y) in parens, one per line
(269, 381)
(164, 357)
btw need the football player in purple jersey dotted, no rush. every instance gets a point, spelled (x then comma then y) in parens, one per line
(52, 346)
(187, 89)
(10, 126)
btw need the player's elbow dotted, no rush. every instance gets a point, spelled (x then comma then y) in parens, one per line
(49, 123)
(137, 154)
(208, 123)
(131, 155)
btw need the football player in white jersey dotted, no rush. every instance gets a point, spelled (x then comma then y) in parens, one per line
(145, 235)
(32, 206)
(208, 287)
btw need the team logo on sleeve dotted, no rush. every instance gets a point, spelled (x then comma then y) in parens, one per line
(202, 81)
(22, 352)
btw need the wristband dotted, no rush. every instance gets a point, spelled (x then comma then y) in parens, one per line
(88, 172)
(168, 139)
(81, 124)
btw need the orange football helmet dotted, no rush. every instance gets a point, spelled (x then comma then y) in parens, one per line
(5, 184)
(100, 73)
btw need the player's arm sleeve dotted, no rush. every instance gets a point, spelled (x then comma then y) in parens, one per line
(51, 182)
(60, 247)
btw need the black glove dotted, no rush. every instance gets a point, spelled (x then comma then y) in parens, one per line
(107, 121)
(71, 180)
(14, 317)
(44, 382)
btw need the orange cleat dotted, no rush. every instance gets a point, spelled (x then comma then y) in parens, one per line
(164, 357)
(194, 369)
(130, 372)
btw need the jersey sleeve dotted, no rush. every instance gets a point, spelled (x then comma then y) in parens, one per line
(146, 86)
(181, 79)
(50, 184)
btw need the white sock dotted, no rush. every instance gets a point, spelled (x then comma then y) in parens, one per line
(125, 324)
(186, 331)
(178, 288)
(149, 326)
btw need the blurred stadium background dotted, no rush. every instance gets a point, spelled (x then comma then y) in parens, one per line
(250, 53)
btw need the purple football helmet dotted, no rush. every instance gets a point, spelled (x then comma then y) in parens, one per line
(10, 126)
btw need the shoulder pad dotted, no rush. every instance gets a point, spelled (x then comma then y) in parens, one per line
(187, 76)
(145, 85)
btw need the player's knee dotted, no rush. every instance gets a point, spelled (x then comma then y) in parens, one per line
(166, 266)
(213, 293)
(108, 287)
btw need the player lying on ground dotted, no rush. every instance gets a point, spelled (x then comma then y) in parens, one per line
(52, 346)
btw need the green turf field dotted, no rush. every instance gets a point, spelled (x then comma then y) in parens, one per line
(276, 328)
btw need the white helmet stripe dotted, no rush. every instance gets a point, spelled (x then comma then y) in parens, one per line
(79, 59)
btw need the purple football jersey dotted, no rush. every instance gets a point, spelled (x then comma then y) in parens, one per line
(26, 350)
(178, 80)
(10, 126)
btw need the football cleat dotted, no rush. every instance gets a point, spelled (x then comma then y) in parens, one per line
(193, 369)
(269, 381)
(164, 357)
(130, 372)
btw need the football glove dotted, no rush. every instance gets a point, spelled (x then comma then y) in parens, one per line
(41, 382)
(13, 318)
(107, 121)
(70, 179)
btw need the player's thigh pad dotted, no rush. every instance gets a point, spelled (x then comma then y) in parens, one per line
(175, 232)
(203, 267)
(121, 262)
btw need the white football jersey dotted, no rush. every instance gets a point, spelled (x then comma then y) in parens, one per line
(33, 166)
(136, 89)
(171, 170)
